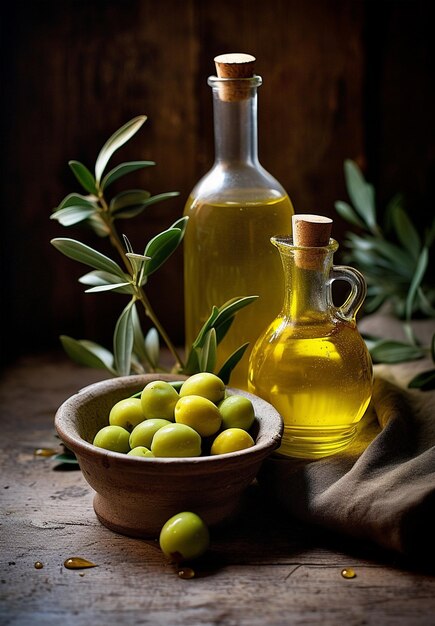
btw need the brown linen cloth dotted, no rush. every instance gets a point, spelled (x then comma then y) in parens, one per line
(382, 488)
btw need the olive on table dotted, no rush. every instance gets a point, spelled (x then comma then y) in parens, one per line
(184, 537)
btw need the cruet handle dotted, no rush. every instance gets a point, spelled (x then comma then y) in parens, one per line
(358, 291)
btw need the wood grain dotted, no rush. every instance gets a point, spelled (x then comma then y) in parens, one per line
(264, 570)
(75, 71)
(80, 70)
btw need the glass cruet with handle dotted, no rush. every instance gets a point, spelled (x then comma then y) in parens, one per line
(311, 363)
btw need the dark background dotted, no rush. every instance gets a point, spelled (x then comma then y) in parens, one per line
(342, 79)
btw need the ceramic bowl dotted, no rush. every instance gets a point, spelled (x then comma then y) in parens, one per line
(136, 496)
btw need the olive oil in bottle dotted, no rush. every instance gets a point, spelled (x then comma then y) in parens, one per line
(233, 211)
(311, 363)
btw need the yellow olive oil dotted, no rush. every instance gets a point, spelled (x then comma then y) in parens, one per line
(77, 562)
(228, 254)
(319, 377)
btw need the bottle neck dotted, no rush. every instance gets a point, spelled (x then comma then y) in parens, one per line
(306, 293)
(307, 281)
(235, 120)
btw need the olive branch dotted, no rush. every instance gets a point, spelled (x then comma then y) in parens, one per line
(133, 351)
(394, 259)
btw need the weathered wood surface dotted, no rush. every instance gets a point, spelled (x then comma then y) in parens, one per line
(264, 570)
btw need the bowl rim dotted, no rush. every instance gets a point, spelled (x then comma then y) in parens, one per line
(67, 429)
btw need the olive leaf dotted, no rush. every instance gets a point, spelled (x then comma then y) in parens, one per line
(346, 212)
(87, 255)
(112, 287)
(98, 225)
(219, 320)
(132, 351)
(225, 371)
(98, 278)
(395, 263)
(230, 308)
(223, 328)
(123, 341)
(207, 352)
(385, 253)
(88, 353)
(416, 281)
(152, 347)
(361, 193)
(72, 215)
(424, 381)
(84, 176)
(160, 247)
(122, 169)
(138, 264)
(181, 223)
(404, 228)
(208, 324)
(137, 209)
(146, 348)
(389, 351)
(119, 138)
(131, 199)
(66, 457)
(138, 338)
(76, 199)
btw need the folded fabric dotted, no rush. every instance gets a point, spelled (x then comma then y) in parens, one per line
(382, 488)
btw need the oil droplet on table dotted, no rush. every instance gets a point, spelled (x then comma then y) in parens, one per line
(348, 572)
(45, 452)
(186, 573)
(38, 565)
(76, 562)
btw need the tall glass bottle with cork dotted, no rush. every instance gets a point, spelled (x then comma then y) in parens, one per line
(233, 211)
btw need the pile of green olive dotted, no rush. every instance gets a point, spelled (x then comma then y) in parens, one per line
(198, 419)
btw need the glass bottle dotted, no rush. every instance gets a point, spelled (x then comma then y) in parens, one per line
(233, 211)
(311, 363)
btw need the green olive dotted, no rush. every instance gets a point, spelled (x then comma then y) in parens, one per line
(140, 451)
(184, 537)
(237, 412)
(158, 400)
(198, 413)
(204, 384)
(143, 433)
(127, 413)
(176, 440)
(114, 438)
(231, 440)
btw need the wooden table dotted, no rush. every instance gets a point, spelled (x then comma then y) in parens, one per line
(264, 570)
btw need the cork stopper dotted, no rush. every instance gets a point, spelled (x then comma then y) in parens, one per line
(311, 231)
(234, 66)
